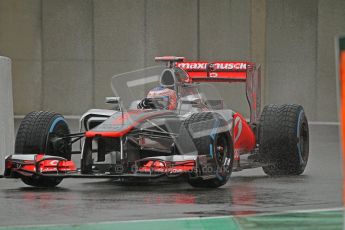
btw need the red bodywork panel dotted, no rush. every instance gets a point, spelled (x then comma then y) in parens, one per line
(51, 166)
(41, 163)
(244, 138)
(158, 166)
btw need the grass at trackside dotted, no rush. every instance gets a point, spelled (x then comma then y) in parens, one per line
(301, 220)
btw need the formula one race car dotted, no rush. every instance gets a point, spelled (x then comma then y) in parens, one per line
(180, 129)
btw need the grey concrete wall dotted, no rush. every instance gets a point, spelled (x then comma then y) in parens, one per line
(292, 53)
(152, 28)
(64, 52)
(6, 111)
(20, 39)
(67, 77)
(331, 22)
(119, 41)
(258, 38)
(225, 33)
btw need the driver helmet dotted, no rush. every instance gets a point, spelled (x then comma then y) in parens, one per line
(167, 95)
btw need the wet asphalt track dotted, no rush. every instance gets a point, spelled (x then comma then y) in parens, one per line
(248, 192)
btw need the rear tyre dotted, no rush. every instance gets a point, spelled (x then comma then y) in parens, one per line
(284, 139)
(212, 141)
(37, 133)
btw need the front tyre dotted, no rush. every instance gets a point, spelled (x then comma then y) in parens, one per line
(284, 139)
(41, 182)
(215, 142)
(38, 133)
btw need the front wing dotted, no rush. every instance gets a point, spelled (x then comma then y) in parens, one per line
(40, 165)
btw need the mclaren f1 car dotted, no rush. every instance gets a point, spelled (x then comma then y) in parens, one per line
(180, 129)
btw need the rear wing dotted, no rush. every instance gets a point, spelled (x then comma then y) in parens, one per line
(240, 71)
(215, 71)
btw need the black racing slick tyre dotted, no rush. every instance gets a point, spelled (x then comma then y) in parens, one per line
(36, 134)
(210, 135)
(284, 139)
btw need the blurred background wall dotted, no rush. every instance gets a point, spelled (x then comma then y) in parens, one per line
(64, 52)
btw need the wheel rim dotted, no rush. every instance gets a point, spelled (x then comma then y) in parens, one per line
(221, 150)
(223, 157)
(61, 147)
